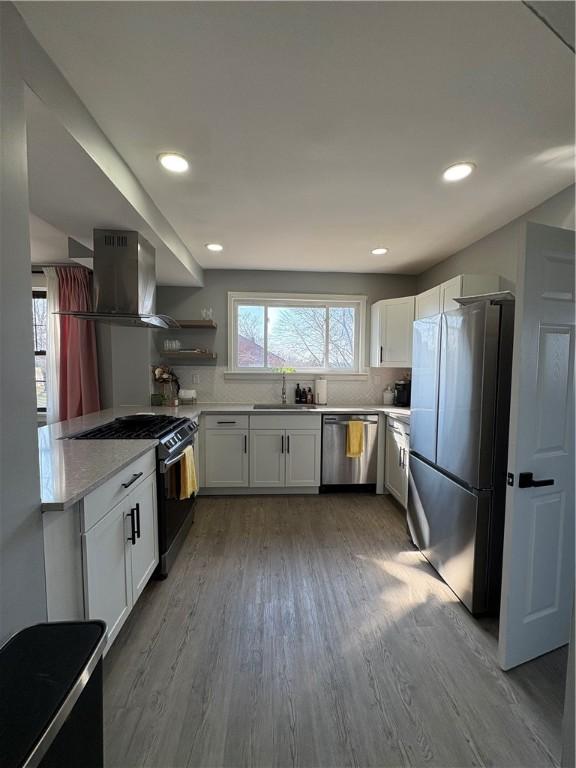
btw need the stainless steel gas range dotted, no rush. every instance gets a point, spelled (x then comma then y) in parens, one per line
(174, 434)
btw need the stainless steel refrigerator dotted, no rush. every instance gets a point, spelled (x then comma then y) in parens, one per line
(459, 444)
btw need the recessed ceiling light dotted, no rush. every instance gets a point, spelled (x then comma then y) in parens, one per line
(214, 247)
(174, 162)
(379, 251)
(458, 171)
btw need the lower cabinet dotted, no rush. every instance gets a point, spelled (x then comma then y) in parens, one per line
(303, 457)
(120, 553)
(225, 458)
(284, 458)
(267, 458)
(396, 464)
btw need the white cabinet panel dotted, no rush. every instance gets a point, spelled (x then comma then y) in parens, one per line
(451, 290)
(391, 341)
(398, 338)
(144, 552)
(267, 458)
(225, 458)
(303, 457)
(428, 303)
(397, 451)
(107, 573)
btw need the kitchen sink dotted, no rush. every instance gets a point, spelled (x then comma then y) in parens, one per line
(283, 407)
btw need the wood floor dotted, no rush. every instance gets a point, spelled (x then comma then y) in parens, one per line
(306, 631)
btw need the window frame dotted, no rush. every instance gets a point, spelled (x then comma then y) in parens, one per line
(40, 293)
(359, 302)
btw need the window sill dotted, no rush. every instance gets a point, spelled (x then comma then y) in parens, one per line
(298, 376)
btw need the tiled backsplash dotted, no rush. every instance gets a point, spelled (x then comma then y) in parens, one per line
(214, 387)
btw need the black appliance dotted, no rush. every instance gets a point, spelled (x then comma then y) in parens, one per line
(402, 390)
(174, 434)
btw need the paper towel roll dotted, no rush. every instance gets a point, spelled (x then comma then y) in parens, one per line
(321, 391)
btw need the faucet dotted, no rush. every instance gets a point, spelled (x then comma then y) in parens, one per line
(283, 388)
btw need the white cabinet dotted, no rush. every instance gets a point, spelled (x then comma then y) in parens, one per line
(144, 551)
(396, 464)
(441, 297)
(120, 553)
(267, 458)
(284, 458)
(428, 303)
(303, 457)
(107, 570)
(450, 290)
(391, 332)
(225, 455)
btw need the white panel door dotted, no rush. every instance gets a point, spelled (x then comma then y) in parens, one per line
(450, 290)
(428, 303)
(394, 475)
(107, 572)
(226, 458)
(144, 553)
(397, 334)
(303, 457)
(538, 566)
(267, 458)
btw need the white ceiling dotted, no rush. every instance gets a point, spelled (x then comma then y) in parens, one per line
(71, 196)
(318, 131)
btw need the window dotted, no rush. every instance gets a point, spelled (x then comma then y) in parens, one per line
(316, 334)
(40, 317)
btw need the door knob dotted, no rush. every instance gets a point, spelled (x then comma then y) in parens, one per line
(526, 480)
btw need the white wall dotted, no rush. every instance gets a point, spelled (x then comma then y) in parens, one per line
(22, 580)
(498, 252)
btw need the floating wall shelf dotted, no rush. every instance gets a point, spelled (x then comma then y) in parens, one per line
(183, 355)
(200, 324)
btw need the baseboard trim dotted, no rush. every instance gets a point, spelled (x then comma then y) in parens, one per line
(299, 491)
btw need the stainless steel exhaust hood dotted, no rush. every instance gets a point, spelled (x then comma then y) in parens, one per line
(124, 281)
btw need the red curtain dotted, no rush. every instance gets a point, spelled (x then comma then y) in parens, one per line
(79, 391)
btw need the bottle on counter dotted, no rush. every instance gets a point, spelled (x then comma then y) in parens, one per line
(298, 394)
(309, 397)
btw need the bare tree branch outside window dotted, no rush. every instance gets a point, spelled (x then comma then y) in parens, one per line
(304, 337)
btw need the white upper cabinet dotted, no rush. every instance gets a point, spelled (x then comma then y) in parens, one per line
(441, 297)
(392, 332)
(428, 303)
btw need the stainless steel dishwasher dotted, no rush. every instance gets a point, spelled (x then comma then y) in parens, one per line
(337, 468)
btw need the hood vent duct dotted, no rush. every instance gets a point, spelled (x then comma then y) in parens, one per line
(124, 281)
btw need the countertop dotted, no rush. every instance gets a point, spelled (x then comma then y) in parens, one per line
(70, 469)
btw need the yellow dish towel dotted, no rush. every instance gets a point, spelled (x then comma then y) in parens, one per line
(188, 480)
(355, 439)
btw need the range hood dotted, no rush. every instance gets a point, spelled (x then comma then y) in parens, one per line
(124, 281)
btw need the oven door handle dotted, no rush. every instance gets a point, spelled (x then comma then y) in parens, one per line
(168, 462)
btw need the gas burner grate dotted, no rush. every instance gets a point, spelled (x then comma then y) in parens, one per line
(151, 427)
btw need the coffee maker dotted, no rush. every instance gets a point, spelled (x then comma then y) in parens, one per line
(402, 393)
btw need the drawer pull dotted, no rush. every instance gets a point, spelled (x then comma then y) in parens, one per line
(133, 480)
(225, 422)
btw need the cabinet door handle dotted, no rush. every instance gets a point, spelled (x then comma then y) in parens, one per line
(381, 353)
(282, 448)
(133, 480)
(137, 520)
(287, 443)
(400, 457)
(245, 443)
(132, 537)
